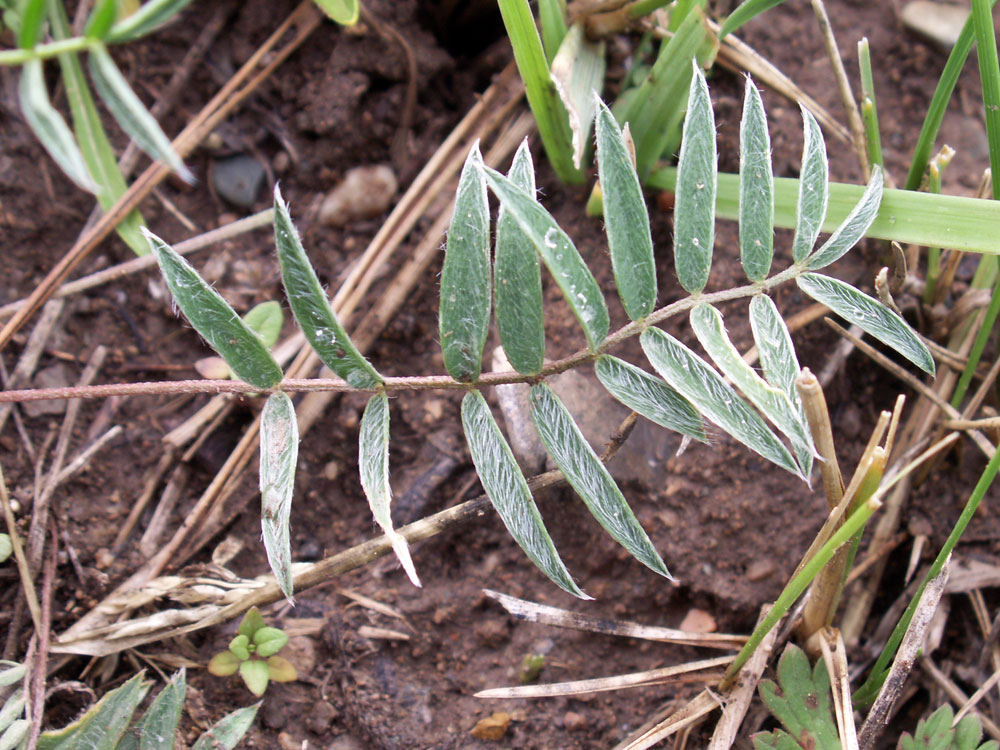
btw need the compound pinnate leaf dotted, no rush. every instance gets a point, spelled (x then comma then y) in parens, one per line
(814, 190)
(49, 127)
(228, 731)
(756, 188)
(156, 730)
(519, 311)
(311, 308)
(561, 257)
(704, 387)
(589, 477)
(149, 17)
(465, 278)
(103, 725)
(649, 396)
(373, 461)
(774, 402)
(214, 319)
(853, 228)
(697, 177)
(868, 314)
(130, 113)
(279, 450)
(508, 491)
(626, 220)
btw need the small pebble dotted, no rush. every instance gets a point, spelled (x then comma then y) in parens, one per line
(758, 570)
(281, 162)
(321, 717)
(287, 742)
(273, 715)
(309, 551)
(491, 632)
(492, 728)
(574, 722)
(56, 376)
(301, 652)
(698, 621)
(939, 22)
(364, 193)
(238, 180)
(331, 471)
(104, 558)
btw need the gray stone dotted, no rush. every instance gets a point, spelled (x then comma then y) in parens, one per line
(364, 193)
(56, 376)
(238, 179)
(941, 23)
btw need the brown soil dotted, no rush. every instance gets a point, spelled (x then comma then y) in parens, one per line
(730, 526)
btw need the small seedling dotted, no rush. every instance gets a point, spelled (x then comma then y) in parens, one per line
(939, 732)
(253, 653)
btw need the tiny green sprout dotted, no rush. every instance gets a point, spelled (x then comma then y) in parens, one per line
(253, 653)
(531, 667)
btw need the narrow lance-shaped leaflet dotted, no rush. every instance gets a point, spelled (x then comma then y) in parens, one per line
(465, 277)
(814, 188)
(756, 188)
(626, 221)
(279, 450)
(589, 477)
(508, 491)
(373, 462)
(853, 227)
(311, 308)
(519, 311)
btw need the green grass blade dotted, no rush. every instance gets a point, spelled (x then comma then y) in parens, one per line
(49, 127)
(101, 18)
(868, 314)
(130, 113)
(149, 17)
(694, 206)
(989, 76)
(779, 361)
(589, 477)
(853, 227)
(552, 19)
(156, 730)
(965, 224)
(577, 72)
(215, 320)
(939, 105)
(279, 451)
(519, 311)
(687, 373)
(227, 733)
(32, 16)
(756, 188)
(344, 12)
(91, 137)
(814, 188)
(978, 345)
(373, 462)
(746, 11)
(561, 257)
(553, 124)
(650, 397)
(626, 220)
(508, 491)
(772, 401)
(869, 112)
(311, 308)
(466, 295)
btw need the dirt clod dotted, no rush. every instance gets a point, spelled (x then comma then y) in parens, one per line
(492, 728)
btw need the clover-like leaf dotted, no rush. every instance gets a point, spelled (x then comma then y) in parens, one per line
(756, 188)
(465, 277)
(373, 461)
(814, 188)
(280, 669)
(868, 314)
(269, 641)
(690, 376)
(561, 257)
(853, 228)
(519, 312)
(311, 308)
(265, 320)
(649, 396)
(255, 676)
(508, 491)
(240, 647)
(224, 663)
(697, 177)
(279, 450)
(626, 221)
(589, 477)
(252, 622)
(344, 12)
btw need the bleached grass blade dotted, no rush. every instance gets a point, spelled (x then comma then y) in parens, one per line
(508, 491)
(130, 113)
(756, 188)
(869, 315)
(779, 361)
(772, 401)
(373, 462)
(588, 476)
(626, 220)
(156, 731)
(576, 73)
(697, 174)
(705, 388)
(649, 396)
(561, 257)
(814, 189)
(311, 308)
(214, 319)
(466, 295)
(228, 731)
(519, 311)
(854, 226)
(49, 127)
(149, 17)
(279, 450)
